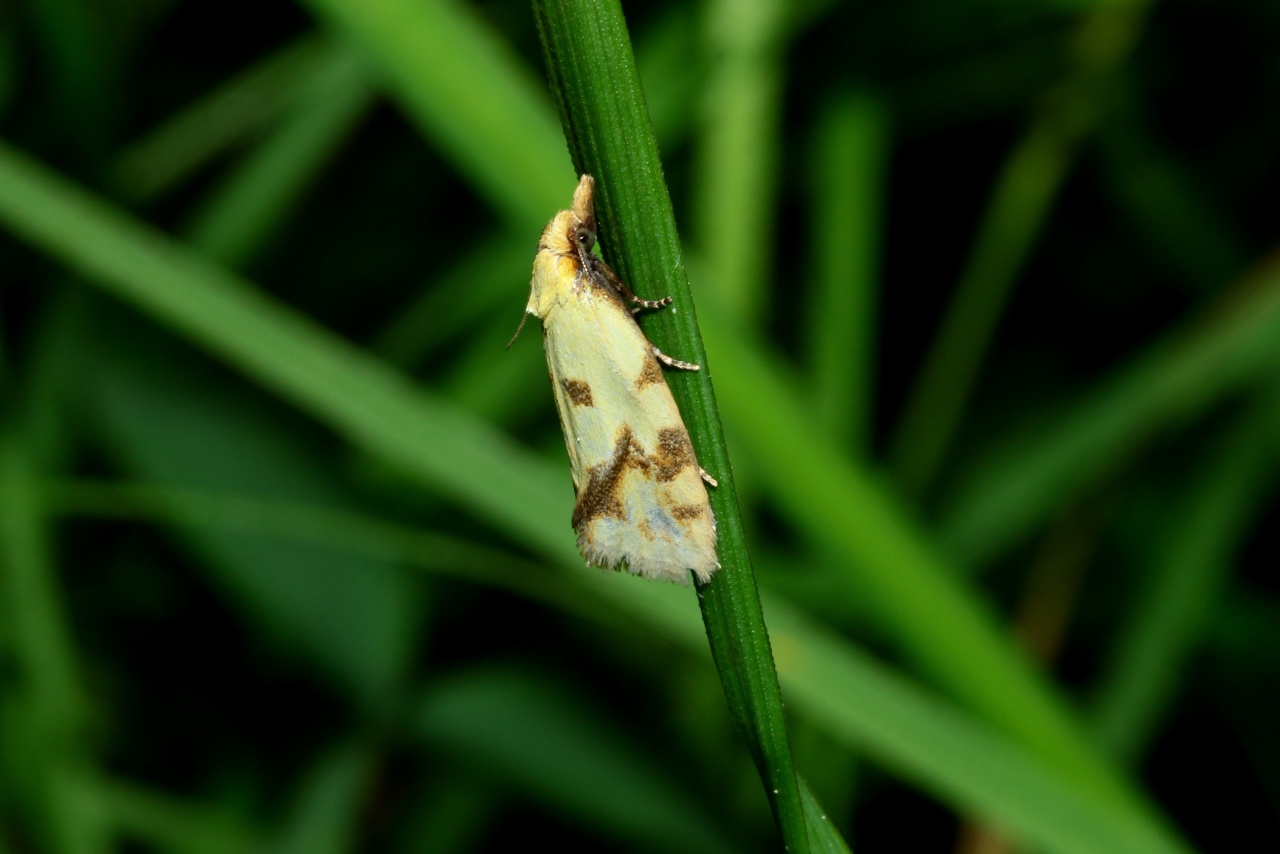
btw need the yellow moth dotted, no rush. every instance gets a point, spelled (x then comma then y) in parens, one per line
(641, 504)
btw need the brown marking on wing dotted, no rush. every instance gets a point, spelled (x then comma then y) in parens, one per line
(688, 512)
(674, 454)
(651, 373)
(600, 497)
(579, 392)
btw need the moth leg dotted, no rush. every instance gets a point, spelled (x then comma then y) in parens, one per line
(674, 363)
(711, 481)
(621, 287)
(647, 303)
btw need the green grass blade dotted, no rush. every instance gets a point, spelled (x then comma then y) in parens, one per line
(179, 827)
(342, 531)
(917, 597)
(326, 814)
(1020, 203)
(581, 764)
(1187, 229)
(737, 152)
(671, 80)
(47, 717)
(358, 396)
(846, 185)
(858, 701)
(965, 761)
(961, 759)
(451, 817)
(83, 76)
(456, 300)
(206, 128)
(167, 419)
(592, 72)
(467, 94)
(1018, 485)
(1174, 607)
(262, 188)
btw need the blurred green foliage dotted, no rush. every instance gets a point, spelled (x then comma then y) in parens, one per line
(992, 310)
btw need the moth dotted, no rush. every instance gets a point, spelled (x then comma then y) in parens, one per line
(641, 500)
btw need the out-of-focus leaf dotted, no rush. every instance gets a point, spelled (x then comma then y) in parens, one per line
(1186, 579)
(325, 816)
(1032, 471)
(548, 741)
(173, 422)
(205, 128)
(466, 93)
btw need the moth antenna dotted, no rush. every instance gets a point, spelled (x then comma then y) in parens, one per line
(524, 317)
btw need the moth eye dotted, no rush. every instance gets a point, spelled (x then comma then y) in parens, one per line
(586, 238)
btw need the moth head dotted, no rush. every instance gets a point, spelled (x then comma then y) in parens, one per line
(584, 206)
(573, 232)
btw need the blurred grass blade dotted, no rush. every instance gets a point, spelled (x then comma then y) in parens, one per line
(456, 300)
(38, 628)
(846, 184)
(325, 816)
(46, 717)
(664, 52)
(341, 531)
(451, 817)
(263, 187)
(1194, 563)
(84, 74)
(484, 381)
(1016, 486)
(467, 94)
(942, 627)
(578, 764)
(196, 135)
(965, 762)
(737, 151)
(962, 760)
(1189, 233)
(592, 73)
(859, 702)
(1020, 203)
(356, 395)
(170, 420)
(178, 827)
(51, 379)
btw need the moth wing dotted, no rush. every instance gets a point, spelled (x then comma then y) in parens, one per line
(641, 499)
